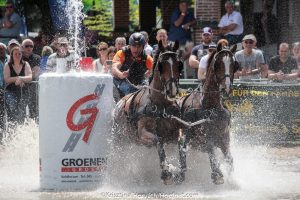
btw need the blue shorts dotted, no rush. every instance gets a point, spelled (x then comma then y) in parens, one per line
(124, 87)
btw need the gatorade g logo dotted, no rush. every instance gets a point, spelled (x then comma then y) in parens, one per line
(86, 107)
(89, 122)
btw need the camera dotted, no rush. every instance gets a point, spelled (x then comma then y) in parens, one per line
(109, 62)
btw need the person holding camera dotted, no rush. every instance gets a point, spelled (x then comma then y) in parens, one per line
(64, 59)
(102, 64)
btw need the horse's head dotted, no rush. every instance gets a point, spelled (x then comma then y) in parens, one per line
(169, 66)
(224, 65)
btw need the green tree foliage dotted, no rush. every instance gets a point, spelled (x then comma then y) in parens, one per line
(99, 16)
(134, 15)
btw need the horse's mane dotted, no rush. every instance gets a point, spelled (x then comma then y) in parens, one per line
(155, 60)
(210, 60)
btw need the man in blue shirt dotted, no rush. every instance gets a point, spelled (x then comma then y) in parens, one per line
(10, 24)
(181, 23)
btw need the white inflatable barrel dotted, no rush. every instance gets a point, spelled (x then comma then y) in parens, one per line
(75, 115)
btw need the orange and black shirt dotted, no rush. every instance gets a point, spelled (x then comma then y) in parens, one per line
(137, 66)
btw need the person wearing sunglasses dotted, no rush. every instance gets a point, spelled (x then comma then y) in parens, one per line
(99, 65)
(34, 61)
(10, 24)
(131, 65)
(251, 61)
(63, 60)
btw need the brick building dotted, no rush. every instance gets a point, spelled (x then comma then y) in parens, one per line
(284, 23)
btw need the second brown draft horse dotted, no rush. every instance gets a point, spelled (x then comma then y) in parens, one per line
(143, 117)
(207, 104)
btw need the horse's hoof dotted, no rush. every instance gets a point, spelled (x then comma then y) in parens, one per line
(166, 176)
(168, 181)
(217, 179)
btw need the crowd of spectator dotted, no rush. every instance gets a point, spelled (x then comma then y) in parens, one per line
(129, 64)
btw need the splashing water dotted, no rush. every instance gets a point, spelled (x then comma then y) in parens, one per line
(75, 17)
(261, 172)
(19, 163)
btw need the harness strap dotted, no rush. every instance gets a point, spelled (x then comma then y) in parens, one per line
(131, 109)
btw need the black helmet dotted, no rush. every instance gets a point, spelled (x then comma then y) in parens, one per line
(137, 39)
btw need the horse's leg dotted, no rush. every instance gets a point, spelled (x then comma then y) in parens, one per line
(216, 174)
(146, 128)
(166, 175)
(182, 146)
(225, 149)
(145, 133)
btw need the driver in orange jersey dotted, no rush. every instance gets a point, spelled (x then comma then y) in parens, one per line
(131, 65)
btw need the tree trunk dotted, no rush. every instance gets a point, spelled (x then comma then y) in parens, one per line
(266, 19)
(247, 13)
(283, 20)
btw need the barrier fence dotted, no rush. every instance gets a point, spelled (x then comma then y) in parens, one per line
(262, 110)
(266, 109)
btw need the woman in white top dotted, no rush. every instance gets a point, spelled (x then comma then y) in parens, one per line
(99, 65)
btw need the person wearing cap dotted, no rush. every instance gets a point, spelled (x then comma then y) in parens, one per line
(63, 60)
(231, 24)
(11, 44)
(251, 61)
(10, 24)
(131, 65)
(283, 66)
(181, 23)
(34, 61)
(200, 50)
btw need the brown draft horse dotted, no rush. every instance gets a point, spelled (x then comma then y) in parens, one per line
(207, 104)
(142, 117)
